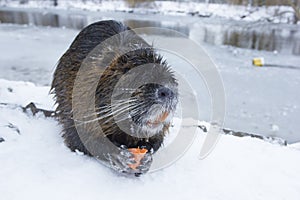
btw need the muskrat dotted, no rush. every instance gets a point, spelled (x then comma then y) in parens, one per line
(149, 107)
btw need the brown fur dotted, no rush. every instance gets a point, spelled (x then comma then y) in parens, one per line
(66, 74)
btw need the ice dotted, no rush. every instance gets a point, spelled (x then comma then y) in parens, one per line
(275, 128)
(22, 47)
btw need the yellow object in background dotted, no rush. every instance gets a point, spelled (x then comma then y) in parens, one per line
(259, 62)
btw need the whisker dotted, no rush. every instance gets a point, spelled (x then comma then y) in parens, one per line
(119, 102)
(119, 111)
(108, 108)
(141, 106)
(122, 112)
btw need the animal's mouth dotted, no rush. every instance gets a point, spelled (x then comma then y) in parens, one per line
(159, 120)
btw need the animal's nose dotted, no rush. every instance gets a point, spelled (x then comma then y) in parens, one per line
(165, 93)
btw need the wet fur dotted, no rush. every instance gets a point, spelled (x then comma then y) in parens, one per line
(66, 71)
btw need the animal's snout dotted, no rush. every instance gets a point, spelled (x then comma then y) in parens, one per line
(164, 93)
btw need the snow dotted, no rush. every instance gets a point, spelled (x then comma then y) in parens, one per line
(21, 93)
(36, 164)
(296, 145)
(236, 12)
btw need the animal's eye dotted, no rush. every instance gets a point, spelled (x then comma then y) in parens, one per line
(126, 69)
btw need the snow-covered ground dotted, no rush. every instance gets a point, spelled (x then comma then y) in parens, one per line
(35, 163)
(275, 14)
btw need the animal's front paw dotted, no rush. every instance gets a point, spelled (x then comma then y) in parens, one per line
(127, 162)
(121, 161)
(145, 164)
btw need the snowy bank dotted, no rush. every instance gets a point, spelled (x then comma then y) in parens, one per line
(35, 163)
(276, 14)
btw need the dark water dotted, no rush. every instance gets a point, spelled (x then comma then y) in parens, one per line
(260, 36)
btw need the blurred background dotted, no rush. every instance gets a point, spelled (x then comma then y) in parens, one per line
(262, 98)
